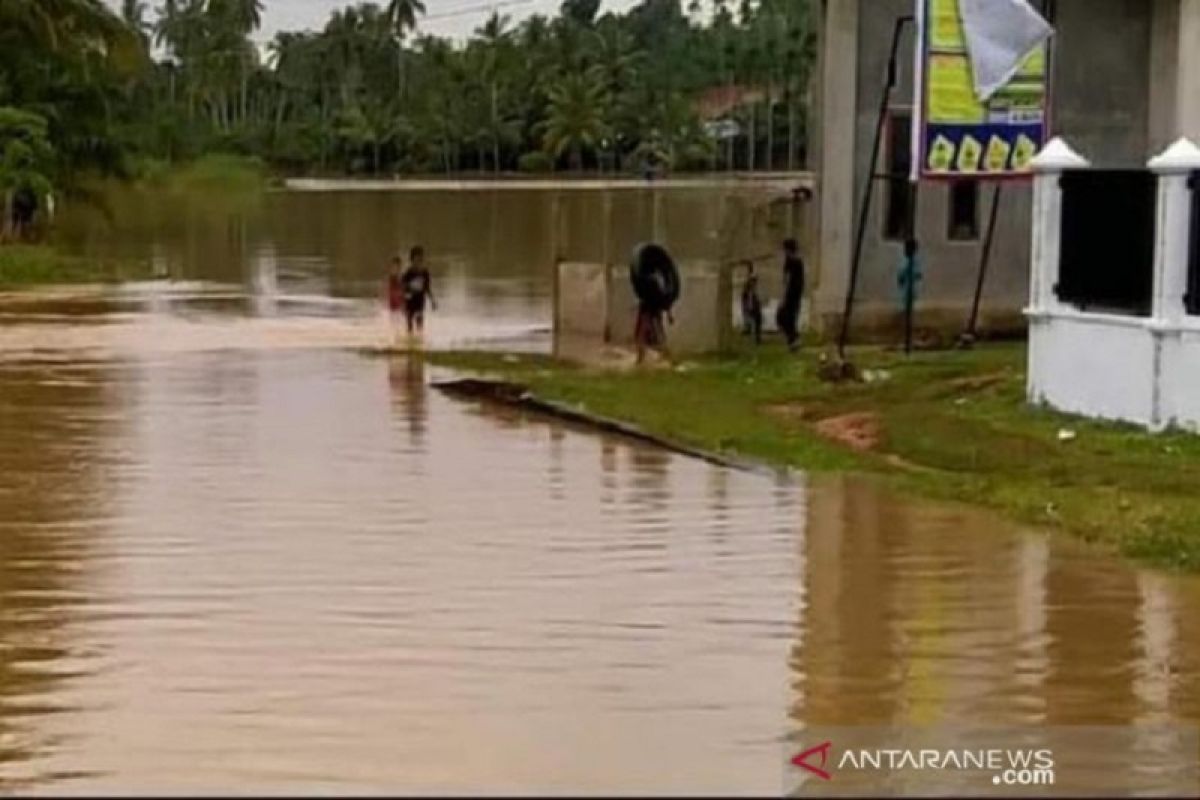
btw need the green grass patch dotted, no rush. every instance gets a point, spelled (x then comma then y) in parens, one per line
(33, 265)
(215, 172)
(952, 425)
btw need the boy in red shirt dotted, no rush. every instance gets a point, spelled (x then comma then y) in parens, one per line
(395, 296)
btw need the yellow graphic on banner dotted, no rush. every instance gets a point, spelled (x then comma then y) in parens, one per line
(969, 153)
(1023, 152)
(941, 154)
(997, 154)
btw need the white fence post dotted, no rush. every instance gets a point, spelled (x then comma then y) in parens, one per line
(1055, 158)
(1172, 249)
(1174, 392)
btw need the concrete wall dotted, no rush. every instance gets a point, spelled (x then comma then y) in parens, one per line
(1180, 382)
(595, 307)
(1092, 364)
(1116, 368)
(1104, 98)
(581, 300)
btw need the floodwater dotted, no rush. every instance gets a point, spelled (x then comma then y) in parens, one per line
(241, 551)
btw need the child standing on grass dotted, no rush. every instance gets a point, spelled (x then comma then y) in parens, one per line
(752, 311)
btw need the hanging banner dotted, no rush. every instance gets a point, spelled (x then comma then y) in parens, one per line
(958, 133)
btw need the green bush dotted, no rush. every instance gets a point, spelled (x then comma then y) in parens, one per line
(536, 161)
(28, 265)
(222, 171)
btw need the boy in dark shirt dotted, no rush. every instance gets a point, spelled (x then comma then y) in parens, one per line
(788, 315)
(418, 286)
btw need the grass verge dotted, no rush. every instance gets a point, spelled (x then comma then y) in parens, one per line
(36, 265)
(214, 172)
(948, 425)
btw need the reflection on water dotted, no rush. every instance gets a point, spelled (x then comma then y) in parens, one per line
(303, 570)
(237, 552)
(312, 573)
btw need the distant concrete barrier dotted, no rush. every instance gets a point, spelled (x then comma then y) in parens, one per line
(595, 308)
(581, 300)
(775, 181)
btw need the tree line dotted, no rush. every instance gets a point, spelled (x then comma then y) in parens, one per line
(713, 85)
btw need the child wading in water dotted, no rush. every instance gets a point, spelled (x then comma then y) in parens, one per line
(395, 295)
(418, 286)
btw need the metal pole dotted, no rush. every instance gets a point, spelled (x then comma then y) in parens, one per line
(910, 263)
(865, 212)
(984, 261)
(909, 301)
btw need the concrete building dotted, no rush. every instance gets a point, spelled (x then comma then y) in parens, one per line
(1124, 83)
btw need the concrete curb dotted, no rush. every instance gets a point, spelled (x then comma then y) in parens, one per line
(516, 396)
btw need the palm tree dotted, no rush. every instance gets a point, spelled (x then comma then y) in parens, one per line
(402, 16)
(60, 22)
(233, 21)
(133, 13)
(575, 121)
(494, 35)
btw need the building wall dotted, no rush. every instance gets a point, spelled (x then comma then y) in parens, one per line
(1102, 99)
(1101, 90)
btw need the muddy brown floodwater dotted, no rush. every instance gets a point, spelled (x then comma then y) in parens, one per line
(236, 553)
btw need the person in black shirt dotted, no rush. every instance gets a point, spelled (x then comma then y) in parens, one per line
(418, 286)
(788, 315)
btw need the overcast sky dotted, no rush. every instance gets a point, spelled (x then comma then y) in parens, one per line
(461, 16)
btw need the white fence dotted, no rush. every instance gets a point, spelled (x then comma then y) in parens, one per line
(1133, 367)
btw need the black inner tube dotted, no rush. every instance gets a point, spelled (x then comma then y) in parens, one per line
(654, 277)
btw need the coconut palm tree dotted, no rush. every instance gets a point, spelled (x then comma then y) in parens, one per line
(575, 121)
(133, 13)
(62, 23)
(402, 16)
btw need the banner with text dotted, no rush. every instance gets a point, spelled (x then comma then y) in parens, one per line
(958, 134)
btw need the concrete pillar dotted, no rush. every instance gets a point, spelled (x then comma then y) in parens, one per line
(1172, 248)
(1164, 63)
(1187, 76)
(1056, 158)
(1174, 71)
(838, 108)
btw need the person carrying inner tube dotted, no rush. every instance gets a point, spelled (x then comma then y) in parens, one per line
(788, 315)
(649, 331)
(656, 284)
